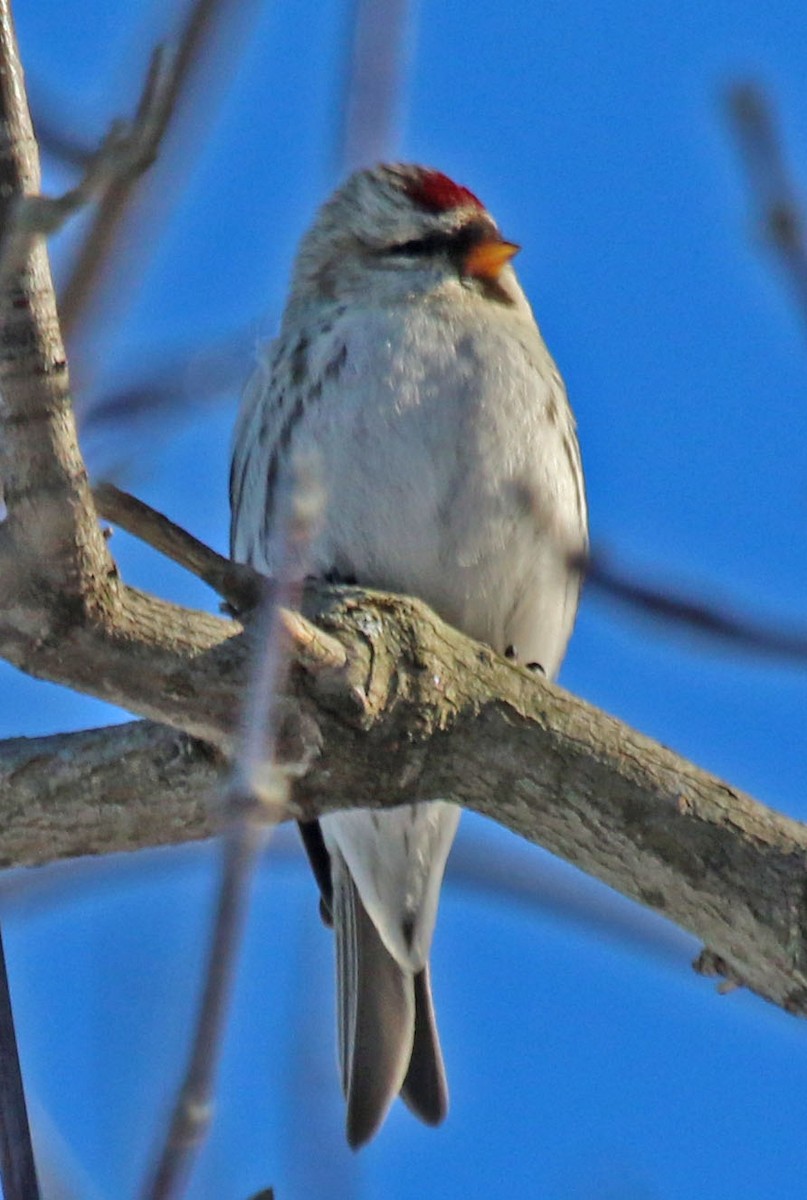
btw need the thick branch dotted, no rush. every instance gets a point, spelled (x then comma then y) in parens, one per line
(50, 520)
(101, 791)
(389, 705)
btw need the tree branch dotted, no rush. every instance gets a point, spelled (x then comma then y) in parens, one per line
(97, 250)
(253, 803)
(240, 586)
(388, 705)
(127, 150)
(102, 791)
(237, 583)
(778, 211)
(118, 241)
(17, 1167)
(688, 613)
(50, 538)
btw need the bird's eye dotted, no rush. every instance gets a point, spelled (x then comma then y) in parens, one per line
(425, 247)
(450, 243)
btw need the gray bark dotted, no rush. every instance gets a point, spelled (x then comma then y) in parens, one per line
(387, 705)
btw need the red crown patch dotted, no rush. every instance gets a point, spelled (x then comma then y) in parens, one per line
(434, 191)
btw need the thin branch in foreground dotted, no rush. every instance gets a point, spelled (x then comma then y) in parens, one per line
(238, 584)
(254, 801)
(127, 150)
(374, 68)
(17, 1169)
(193, 1106)
(772, 191)
(172, 385)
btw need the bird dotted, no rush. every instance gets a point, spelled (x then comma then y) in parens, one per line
(409, 363)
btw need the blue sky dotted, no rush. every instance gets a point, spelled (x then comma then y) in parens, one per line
(579, 1067)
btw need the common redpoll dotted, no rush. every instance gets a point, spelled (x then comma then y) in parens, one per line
(410, 364)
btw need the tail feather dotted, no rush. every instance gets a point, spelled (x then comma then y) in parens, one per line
(425, 1090)
(376, 1014)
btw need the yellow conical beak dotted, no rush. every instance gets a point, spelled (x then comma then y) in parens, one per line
(486, 259)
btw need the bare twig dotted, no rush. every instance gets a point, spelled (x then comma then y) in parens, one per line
(56, 139)
(151, 119)
(779, 211)
(694, 615)
(254, 802)
(374, 71)
(101, 251)
(193, 1107)
(238, 584)
(172, 384)
(17, 1168)
(126, 151)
